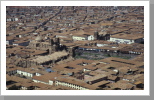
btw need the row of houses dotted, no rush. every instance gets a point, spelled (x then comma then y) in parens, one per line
(87, 74)
(117, 32)
(134, 48)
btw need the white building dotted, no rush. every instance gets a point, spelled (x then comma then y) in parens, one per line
(25, 73)
(127, 38)
(90, 37)
(46, 78)
(83, 37)
(74, 86)
(28, 72)
(44, 81)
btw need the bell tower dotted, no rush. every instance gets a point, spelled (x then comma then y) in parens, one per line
(71, 51)
(51, 42)
(57, 41)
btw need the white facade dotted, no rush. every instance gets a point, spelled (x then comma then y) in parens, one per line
(7, 42)
(48, 83)
(79, 38)
(91, 37)
(23, 88)
(35, 33)
(38, 81)
(9, 19)
(25, 73)
(100, 45)
(61, 36)
(86, 70)
(16, 19)
(135, 52)
(126, 41)
(118, 40)
(38, 74)
(20, 36)
(15, 44)
(70, 85)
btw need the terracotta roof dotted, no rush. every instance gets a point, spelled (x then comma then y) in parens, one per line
(77, 82)
(10, 69)
(112, 77)
(47, 77)
(128, 36)
(28, 70)
(96, 77)
(18, 79)
(100, 83)
(54, 56)
(121, 84)
(124, 62)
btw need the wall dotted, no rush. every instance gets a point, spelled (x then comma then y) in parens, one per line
(24, 73)
(101, 45)
(38, 81)
(121, 40)
(38, 74)
(50, 82)
(70, 85)
(7, 42)
(61, 36)
(91, 37)
(78, 38)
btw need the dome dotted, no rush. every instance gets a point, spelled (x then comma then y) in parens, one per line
(38, 38)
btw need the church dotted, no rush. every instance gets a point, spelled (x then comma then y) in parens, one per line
(56, 52)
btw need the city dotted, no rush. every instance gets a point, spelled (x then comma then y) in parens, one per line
(75, 47)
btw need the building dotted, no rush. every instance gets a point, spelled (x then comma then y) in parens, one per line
(127, 38)
(11, 71)
(134, 48)
(9, 40)
(21, 43)
(83, 35)
(121, 85)
(47, 78)
(48, 59)
(39, 44)
(74, 83)
(25, 72)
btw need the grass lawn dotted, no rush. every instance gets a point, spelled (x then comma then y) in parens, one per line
(95, 56)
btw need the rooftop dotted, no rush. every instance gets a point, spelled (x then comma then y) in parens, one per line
(128, 36)
(54, 56)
